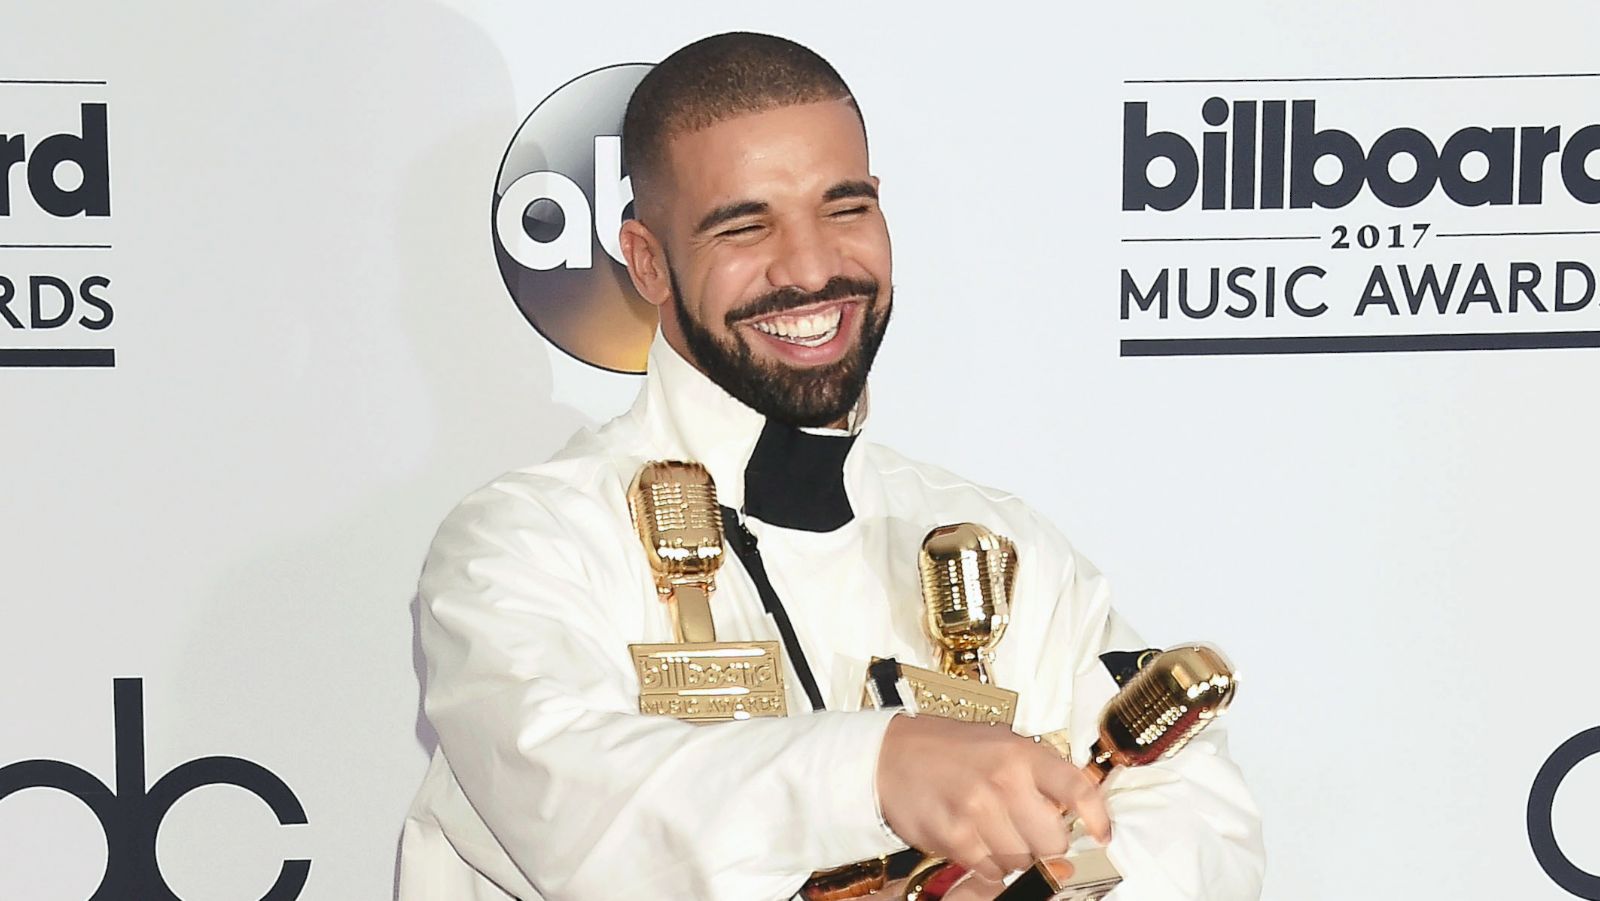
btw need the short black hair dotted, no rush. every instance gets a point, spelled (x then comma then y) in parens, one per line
(718, 78)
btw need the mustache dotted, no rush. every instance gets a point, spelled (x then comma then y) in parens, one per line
(791, 298)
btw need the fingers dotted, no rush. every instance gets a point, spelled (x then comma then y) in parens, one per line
(1012, 820)
(1008, 850)
(1042, 827)
(971, 853)
(973, 887)
(1095, 818)
(984, 798)
(1067, 786)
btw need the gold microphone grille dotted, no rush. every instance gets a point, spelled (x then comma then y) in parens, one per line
(677, 506)
(1166, 704)
(966, 580)
(674, 507)
(954, 584)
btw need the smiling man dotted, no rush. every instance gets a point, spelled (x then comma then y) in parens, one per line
(773, 220)
(761, 239)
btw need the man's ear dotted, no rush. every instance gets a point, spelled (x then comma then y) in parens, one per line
(647, 262)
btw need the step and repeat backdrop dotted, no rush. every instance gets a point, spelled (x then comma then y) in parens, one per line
(1285, 313)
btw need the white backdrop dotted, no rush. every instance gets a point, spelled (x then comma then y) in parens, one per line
(315, 357)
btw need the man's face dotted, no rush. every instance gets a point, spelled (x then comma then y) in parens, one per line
(778, 259)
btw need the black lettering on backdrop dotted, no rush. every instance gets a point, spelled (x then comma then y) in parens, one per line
(1242, 291)
(66, 175)
(1288, 291)
(52, 302)
(46, 311)
(1384, 186)
(1370, 236)
(8, 293)
(1431, 288)
(1194, 312)
(11, 153)
(1293, 142)
(1479, 290)
(1156, 296)
(1274, 134)
(1244, 302)
(1494, 187)
(1582, 143)
(1537, 144)
(1307, 145)
(1213, 154)
(1563, 305)
(1377, 291)
(131, 816)
(1140, 148)
(1524, 278)
(1244, 155)
(88, 150)
(1312, 153)
(86, 290)
(1428, 285)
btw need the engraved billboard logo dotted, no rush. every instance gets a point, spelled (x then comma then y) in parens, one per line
(131, 815)
(559, 200)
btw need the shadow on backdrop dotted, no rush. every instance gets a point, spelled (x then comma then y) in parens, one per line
(416, 380)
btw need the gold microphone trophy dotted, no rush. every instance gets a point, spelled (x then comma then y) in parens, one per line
(696, 678)
(1169, 701)
(967, 573)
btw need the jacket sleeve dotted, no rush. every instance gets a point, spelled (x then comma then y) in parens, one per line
(1184, 828)
(534, 699)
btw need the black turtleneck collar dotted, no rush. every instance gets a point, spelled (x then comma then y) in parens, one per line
(795, 479)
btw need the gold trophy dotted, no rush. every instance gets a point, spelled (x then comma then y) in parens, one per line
(1176, 695)
(696, 678)
(967, 574)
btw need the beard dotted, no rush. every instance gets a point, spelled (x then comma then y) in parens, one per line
(806, 397)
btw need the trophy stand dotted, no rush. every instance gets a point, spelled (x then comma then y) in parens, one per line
(695, 678)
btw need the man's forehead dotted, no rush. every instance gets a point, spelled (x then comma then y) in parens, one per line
(828, 130)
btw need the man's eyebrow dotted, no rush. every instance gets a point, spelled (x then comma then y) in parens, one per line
(846, 189)
(729, 211)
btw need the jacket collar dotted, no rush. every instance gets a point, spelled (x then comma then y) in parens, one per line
(782, 475)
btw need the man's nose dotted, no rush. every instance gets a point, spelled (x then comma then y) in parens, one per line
(806, 258)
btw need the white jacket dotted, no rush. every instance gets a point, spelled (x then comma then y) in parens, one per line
(549, 784)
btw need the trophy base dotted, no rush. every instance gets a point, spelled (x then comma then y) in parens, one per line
(926, 692)
(1090, 877)
(709, 682)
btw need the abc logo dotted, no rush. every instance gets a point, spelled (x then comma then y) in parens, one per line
(131, 815)
(560, 197)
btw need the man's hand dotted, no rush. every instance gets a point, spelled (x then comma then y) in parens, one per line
(982, 796)
(974, 888)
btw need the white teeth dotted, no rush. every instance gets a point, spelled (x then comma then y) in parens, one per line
(807, 331)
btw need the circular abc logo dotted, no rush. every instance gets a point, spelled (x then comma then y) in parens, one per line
(558, 202)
